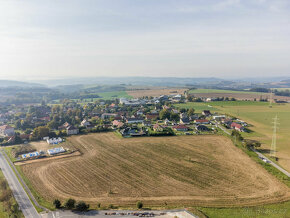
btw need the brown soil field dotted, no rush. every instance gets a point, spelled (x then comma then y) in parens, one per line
(240, 96)
(156, 92)
(179, 170)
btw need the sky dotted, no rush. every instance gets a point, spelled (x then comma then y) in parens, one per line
(155, 38)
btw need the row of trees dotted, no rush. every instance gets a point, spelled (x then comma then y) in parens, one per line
(71, 204)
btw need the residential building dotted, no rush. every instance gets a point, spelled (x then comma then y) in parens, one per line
(6, 130)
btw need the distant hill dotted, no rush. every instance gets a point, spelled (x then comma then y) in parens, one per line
(13, 83)
(148, 81)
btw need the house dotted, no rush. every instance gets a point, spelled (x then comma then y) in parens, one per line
(146, 123)
(206, 113)
(202, 128)
(180, 127)
(166, 122)
(201, 121)
(175, 111)
(158, 128)
(113, 105)
(85, 123)
(71, 130)
(165, 107)
(183, 115)
(6, 130)
(118, 124)
(177, 97)
(108, 115)
(134, 120)
(184, 120)
(237, 127)
(219, 117)
(139, 113)
(46, 119)
(64, 126)
(151, 116)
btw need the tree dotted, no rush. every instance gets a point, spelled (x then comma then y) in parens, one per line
(174, 116)
(40, 132)
(190, 112)
(82, 206)
(182, 110)
(164, 114)
(189, 98)
(237, 135)
(139, 205)
(57, 203)
(70, 204)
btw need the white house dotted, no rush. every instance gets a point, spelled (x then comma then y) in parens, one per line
(85, 123)
(71, 130)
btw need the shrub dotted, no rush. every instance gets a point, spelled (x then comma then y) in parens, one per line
(70, 204)
(57, 203)
(82, 206)
(139, 205)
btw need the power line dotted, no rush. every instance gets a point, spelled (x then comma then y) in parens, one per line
(274, 137)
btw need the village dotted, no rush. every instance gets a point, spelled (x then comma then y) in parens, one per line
(127, 117)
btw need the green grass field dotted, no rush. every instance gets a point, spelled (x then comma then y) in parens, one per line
(112, 95)
(272, 211)
(260, 115)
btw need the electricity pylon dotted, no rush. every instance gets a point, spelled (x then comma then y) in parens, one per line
(271, 99)
(274, 137)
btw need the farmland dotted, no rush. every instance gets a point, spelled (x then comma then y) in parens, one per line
(155, 92)
(240, 95)
(260, 115)
(181, 170)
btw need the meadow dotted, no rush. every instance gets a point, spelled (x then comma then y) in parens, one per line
(163, 171)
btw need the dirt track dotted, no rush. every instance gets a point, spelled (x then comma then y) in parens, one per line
(193, 170)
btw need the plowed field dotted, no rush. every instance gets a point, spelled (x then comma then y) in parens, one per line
(183, 170)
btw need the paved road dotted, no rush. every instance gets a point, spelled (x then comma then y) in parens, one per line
(271, 162)
(261, 155)
(23, 183)
(20, 195)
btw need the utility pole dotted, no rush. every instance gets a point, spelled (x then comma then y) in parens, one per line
(274, 137)
(271, 99)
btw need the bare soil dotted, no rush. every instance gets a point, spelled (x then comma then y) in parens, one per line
(181, 170)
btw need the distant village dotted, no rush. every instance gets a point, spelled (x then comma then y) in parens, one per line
(158, 116)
